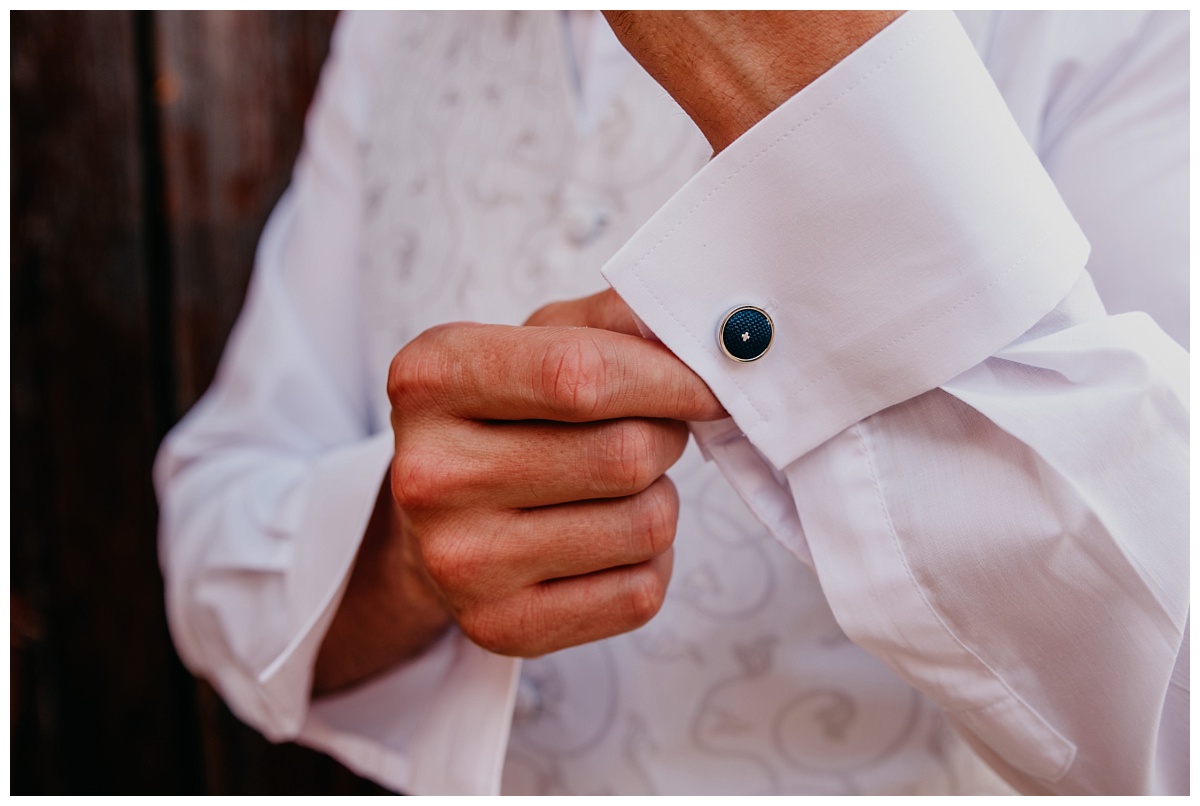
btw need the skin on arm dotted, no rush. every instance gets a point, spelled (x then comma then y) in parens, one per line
(729, 69)
(391, 610)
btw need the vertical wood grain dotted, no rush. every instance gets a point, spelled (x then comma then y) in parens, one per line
(233, 88)
(99, 710)
(147, 151)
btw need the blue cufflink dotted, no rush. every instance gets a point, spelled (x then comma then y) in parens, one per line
(746, 333)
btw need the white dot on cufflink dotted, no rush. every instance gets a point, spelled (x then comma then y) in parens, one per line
(746, 333)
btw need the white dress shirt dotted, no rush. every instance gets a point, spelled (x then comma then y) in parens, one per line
(965, 464)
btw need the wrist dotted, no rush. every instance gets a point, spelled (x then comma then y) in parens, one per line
(730, 69)
(390, 612)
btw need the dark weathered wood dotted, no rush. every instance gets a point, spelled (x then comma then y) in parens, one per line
(147, 150)
(99, 709)
(233, 89)
(241, 762)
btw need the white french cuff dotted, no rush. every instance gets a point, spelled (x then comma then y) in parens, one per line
(449, 730)
(890, 218)
(447, 733)
(338, 496)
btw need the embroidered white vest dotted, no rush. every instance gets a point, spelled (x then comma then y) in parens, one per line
(485, 200)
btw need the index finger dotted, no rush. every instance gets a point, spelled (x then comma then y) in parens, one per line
(570, 374)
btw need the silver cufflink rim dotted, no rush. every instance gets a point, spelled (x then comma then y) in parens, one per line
(721, 333)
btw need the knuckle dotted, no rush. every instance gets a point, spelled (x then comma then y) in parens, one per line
(406, 374)
(419, 480)
(572, 375)
(629, 459)
(698, 401)
(645, 593)
(659, 519)
(489, 630)
(419, 368)
(524, 624)
(431, 471)
(478, 625)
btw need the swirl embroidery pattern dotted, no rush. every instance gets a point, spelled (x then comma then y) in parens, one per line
(486, 199)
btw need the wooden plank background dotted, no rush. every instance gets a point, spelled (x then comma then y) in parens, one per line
(147, 151)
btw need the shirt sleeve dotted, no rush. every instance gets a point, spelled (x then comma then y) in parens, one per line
(267, 485)
(986, 470)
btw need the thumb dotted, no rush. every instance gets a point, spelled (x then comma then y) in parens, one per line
(604, 311)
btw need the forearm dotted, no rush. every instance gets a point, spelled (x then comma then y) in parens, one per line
(390, 611)
(729, 69)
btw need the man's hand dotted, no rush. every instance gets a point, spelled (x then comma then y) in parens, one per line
(729, 69)
(527, 497)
